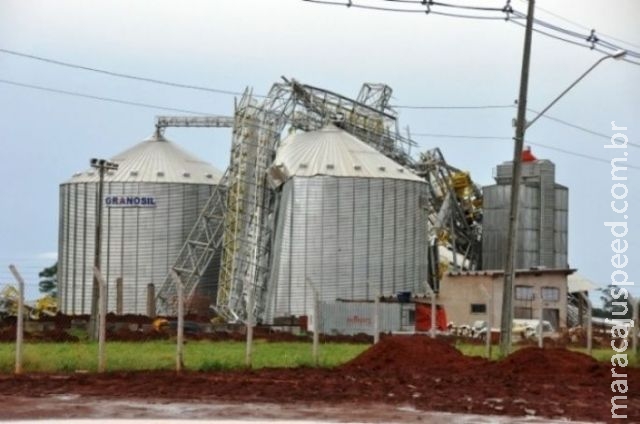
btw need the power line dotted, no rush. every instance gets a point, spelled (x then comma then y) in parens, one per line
(502, 138)
(100, 98)
(428, 10)
(582, 155)
(545, 116)
(507, 13)
(119, 74)
(470, 137)
(453, 107)
(172, 109)
(562, 18)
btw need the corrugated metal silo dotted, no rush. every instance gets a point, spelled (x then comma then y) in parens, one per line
(150, 204)
(542, 222)
(350, 220)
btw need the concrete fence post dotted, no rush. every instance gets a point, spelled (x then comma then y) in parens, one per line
(20, 323)
(589, 323)
(541, 332)
(119, 296)
(249, 324)
(488, 333)
(151, 300)
(102, 319)
(376, 320)
(636, 327)
(316, 322)
(180, 329)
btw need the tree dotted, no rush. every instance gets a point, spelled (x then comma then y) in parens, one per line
(49, 280)
(607, 309)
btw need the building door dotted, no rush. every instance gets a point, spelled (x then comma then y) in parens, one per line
(553, 316)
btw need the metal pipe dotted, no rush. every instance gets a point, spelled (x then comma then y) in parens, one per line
(616, 55)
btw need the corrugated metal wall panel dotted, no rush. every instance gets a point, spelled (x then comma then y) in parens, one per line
(138, 244)
(354, 238)
(542, 235)
(352, 318)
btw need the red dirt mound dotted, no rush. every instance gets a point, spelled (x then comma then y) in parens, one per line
(411, 354)
(536, 361)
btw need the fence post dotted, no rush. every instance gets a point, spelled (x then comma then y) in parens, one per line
(151, 300)
(635, 328)
(249, 325)
(316, 322)
(589, 323)
(432, 293)
(488, 333)
(102, 318)
(119, 296)
(376, 320)
(180, 329)
(541, 333)
(20, 323)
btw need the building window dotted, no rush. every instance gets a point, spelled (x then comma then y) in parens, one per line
(524, 293)
(478, 308)
(520, 312)
(550, 294)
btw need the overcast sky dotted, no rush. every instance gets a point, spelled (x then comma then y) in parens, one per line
(231, 44)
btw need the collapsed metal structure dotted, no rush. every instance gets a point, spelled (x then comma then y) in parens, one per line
(237, 223)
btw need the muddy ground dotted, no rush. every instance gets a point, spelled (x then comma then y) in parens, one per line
(407, 371)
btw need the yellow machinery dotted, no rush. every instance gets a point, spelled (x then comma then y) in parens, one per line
(46, 305)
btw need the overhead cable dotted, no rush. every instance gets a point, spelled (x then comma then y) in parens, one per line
(100, 98)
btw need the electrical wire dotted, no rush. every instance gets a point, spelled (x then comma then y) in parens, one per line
(428, 11)
(119, 74)
(470, 137)
(100, 98)
(562, 18)
(172, 109)
(502, 139)
(452, 107)
(507, 13)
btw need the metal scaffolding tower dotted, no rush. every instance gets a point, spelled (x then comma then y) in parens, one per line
(246, 239)
(203, 243)
(455, 209)
(235, 227)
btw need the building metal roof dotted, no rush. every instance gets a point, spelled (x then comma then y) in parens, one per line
(580, 283)
(155, 160)
(498, 272)
(334, 152)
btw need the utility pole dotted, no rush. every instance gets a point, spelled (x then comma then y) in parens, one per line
(509, 265)
(102, 166)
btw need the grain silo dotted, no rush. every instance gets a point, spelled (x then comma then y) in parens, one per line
(542, 219)
(349, 220)
(150, 204)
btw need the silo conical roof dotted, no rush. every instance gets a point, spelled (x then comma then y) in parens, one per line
(155, 160)
(334, 152)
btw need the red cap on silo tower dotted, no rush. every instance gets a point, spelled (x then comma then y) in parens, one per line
(527, 156)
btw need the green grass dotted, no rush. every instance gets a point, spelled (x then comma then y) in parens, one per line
(203, 355)
(160, 355)
(600, 354)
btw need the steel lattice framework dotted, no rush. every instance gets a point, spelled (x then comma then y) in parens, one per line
(236, 225)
